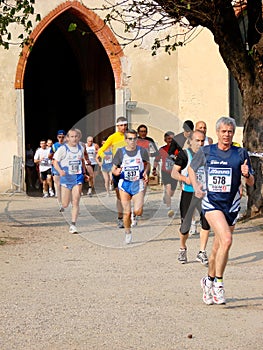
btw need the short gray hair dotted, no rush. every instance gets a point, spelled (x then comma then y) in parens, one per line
(226, 121)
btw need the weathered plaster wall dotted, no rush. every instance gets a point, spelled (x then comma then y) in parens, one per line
(192, 83)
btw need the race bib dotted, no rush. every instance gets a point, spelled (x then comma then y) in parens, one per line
(169, 164)
(200, 175)
(219, 179)
(131, 173)
(108, 159)
(74, 167)
(45, 162)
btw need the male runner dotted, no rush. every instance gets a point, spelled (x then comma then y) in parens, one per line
(224, 165)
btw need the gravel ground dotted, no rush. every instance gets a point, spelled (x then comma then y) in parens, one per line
(90, 291)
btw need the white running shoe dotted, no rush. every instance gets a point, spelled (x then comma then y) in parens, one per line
(51, 193)
(207, 287)
(202, 257)
(45, 195)
(134, 221)
(73, 229)
(219, 293)
(193, 229)
(182, 256)
(128, 238)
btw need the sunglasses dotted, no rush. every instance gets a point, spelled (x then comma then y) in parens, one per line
(132, 138)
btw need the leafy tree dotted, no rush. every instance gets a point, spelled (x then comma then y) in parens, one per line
(17, 12)
(237, 28)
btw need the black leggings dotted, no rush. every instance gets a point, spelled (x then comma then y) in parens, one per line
(188, 203)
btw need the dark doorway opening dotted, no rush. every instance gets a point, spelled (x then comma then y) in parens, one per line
(68, 76)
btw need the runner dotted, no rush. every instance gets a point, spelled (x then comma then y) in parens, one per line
(188, 202)
(91, 163)
(116, 141)
(224, 165)
(41, 158)
(106, 165)
(131, 164)
(169, 183)
(56, 178)
(68, 160)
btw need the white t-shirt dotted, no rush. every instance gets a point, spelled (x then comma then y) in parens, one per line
(43, 154)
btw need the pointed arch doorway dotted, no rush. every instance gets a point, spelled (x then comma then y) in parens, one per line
(68, 75)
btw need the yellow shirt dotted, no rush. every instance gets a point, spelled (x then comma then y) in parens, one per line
(115, 141)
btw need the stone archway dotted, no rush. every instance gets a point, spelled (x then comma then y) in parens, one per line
(93, 82)
(95, 23)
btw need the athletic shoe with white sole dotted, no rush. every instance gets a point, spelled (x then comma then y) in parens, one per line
(219, 293)
(134, 221)
(120, 223)
(193, 229)
(51, 193)
(45, 195)
(73, 229)
(202, 257)
(182, 256)
(128, 238)
(207, 287)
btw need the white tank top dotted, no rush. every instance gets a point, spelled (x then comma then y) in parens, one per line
(91, 150)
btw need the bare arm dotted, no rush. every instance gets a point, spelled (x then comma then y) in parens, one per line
(176, 174)
(57, 167)
(246, 174)
(196, 185)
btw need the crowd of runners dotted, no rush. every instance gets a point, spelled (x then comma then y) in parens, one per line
(209, 175)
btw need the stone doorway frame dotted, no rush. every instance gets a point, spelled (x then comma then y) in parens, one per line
(108, 41)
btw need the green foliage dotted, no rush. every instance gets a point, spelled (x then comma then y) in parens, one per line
(19, 12)
(72, 27)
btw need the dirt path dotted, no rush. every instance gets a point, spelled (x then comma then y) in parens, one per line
(88, 291)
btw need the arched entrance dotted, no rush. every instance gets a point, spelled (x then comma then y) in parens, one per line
(68, 75)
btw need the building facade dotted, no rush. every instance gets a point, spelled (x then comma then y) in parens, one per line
(73, 80)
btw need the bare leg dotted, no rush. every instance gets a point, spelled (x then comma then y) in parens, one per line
(126, 205)
(106, 177)
(183, 239)
(222, 242)
(76, 193)
(57, 187)
(118, 203)
(49, 182)
(204, 234)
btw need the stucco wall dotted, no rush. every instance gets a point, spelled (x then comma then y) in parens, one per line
(192, 83)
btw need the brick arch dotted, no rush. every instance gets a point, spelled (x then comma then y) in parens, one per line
(96, 24)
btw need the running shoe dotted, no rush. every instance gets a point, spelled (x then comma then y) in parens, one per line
(120, 223)
(193, 229)
(51, 193)
(170, 213)
(202, 257)
(89, 192)
(182, 256)
(45, 195)
(207, 287)
(219, 293)
(134, 221)
(61, 209)
(73, 229)
(128, 238)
